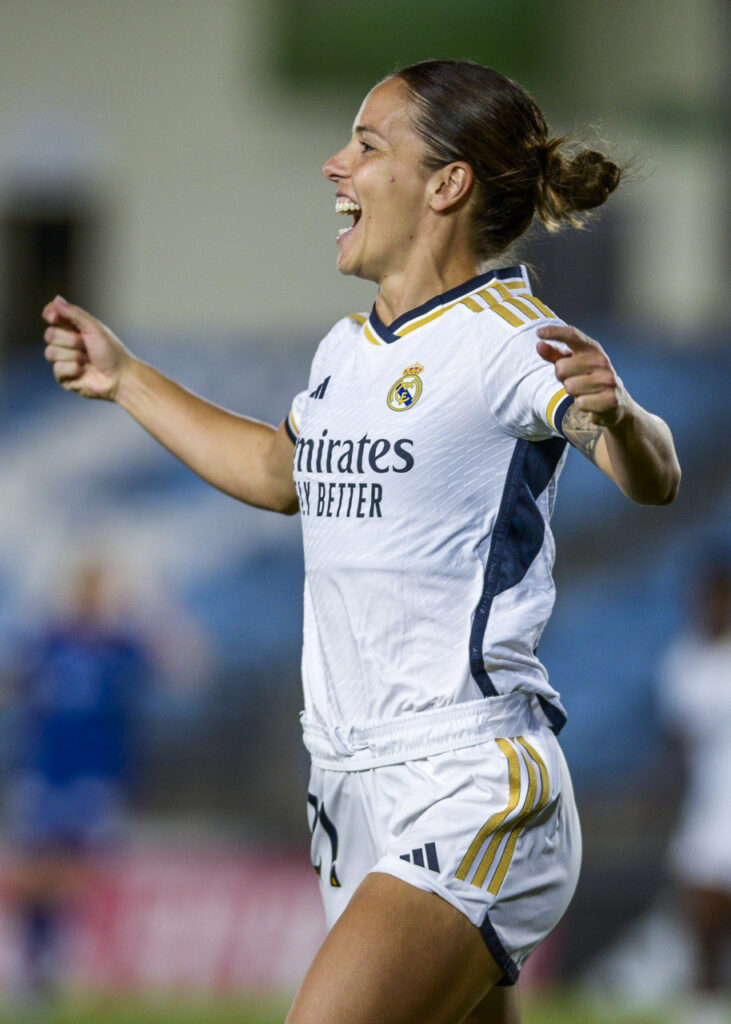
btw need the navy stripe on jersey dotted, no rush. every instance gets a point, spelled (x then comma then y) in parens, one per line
(388, 334)
(554, 715)
(516, 540)
(560, 412)
(290, 433)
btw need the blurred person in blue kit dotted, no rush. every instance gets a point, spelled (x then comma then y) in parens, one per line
(695, 703)
(423, 457)
(77, 684)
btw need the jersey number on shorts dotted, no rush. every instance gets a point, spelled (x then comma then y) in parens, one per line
(332, 834)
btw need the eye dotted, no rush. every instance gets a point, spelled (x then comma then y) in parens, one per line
(365, 147)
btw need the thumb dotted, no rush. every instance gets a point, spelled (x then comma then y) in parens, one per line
(59, 309)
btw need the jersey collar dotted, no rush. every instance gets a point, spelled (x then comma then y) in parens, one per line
(377, 332)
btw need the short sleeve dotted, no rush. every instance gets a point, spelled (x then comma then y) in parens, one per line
(522, 390)
(298, 409)
(294, 418)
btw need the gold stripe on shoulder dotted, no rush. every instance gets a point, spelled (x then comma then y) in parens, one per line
(540, 306)
(358, 317)
(514, 300)
(369, 334)
(293, 424)
(499, 308)
(467, 301)
(560, 394)
(422, 321)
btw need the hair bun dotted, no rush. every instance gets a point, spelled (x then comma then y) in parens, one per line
(573, 183)
(593, 178)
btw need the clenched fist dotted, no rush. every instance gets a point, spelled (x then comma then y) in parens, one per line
(86, 356)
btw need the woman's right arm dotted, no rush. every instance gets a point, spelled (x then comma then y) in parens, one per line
(249, 460)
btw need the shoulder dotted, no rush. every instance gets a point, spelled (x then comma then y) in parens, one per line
(502, 309)
(331, 347)
(348, 328)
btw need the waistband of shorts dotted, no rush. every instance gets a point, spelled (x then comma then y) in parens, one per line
(420, 734)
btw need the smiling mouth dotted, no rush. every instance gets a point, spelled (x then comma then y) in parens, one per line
(347, 206)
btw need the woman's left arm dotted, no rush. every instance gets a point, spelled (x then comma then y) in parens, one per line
(632, 446)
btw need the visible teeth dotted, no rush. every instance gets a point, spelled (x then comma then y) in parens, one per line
(346, 206)
(343, 231)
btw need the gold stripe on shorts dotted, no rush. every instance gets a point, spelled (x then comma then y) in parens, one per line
(502, 825)
(497, 819)
(532, 809)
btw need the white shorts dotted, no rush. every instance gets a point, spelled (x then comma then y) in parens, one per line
(492, 828)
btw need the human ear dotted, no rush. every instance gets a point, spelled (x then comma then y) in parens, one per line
(450, 184)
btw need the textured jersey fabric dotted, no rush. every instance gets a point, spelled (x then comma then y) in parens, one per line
(426, 459)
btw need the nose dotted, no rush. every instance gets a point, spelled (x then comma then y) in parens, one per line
(336, 167)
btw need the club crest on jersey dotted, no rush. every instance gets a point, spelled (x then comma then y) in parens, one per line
(406, 392)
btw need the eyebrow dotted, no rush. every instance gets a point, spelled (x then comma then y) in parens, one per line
(371, 131)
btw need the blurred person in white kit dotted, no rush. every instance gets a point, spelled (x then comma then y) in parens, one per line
(694, 684)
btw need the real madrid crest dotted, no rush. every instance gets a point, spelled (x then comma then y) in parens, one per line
(406, 392)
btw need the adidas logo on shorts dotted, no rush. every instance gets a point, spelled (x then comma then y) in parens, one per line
(417, 857)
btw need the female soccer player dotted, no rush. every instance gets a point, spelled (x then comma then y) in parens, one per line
(428, 443)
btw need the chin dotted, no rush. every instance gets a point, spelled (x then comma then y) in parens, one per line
(352, 269)
(347, 259)
(346, 270)
(350, 264)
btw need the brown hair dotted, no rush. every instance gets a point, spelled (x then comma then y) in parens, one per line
(465, 111)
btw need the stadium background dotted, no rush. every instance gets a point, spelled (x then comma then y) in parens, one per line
(160, 165)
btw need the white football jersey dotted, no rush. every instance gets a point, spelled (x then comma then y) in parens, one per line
(426, 460)
(695, 703)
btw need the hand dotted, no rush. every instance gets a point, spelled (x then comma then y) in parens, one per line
(587, 374)
(86, 356)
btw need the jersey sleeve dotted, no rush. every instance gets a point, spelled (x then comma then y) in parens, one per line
(522, 390)
(292, 423)
(344, 328)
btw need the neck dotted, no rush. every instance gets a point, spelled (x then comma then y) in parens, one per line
(405, 289)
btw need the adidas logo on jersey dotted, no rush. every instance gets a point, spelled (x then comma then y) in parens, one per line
(417, 857)
(320, 390)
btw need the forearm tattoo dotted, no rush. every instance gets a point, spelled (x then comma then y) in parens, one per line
(580, 431)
